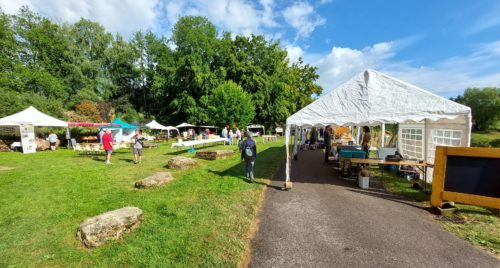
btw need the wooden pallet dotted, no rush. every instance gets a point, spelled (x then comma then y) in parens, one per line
(214, 155)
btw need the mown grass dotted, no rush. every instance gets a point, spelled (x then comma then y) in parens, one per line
(480, 226)
(202, 218)
(486, 139)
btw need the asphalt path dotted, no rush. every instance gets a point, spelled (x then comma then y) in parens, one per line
(325, 221)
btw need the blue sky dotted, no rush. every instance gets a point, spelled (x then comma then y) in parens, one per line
(443, 46)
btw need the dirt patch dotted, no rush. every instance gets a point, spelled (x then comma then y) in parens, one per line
(2, 168)
(214, 155)
(180, 162)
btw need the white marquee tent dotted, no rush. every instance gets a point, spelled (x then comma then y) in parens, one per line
(155, 125)
(184, 125)
(373, 98)
(33, 117)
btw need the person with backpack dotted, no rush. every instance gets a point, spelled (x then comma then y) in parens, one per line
(138, 141)
(249, 153)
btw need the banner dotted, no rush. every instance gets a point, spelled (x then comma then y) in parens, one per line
(28, 138)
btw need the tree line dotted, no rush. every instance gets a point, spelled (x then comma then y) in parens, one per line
(485, 106)
(80, 71)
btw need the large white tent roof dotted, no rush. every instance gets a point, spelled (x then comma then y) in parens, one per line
(372, 98)
(32, 116)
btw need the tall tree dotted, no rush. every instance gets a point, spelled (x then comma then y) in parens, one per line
(230, 104)
(485, 106)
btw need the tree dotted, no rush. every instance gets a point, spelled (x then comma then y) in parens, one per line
(229, 104)
(485, 106)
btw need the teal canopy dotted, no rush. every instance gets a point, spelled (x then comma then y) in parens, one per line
(123, 124)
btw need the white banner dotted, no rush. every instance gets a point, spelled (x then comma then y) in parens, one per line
(28, 138)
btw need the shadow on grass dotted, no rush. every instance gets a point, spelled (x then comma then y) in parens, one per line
(186, 149)
(260, 169)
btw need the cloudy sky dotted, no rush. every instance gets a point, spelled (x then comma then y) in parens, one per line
(443, 46)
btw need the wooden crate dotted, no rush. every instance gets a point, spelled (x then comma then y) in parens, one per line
(214, 155)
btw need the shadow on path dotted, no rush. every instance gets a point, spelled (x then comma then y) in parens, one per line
(326, 221)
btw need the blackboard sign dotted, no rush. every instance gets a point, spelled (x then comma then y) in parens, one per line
(473, 175)
(466, 175)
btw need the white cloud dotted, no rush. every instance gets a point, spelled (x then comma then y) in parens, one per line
(303, 17)
(447, 78)
(123, 16)
(236, 16)
(487, 20)
(342, 63)
(294, 52)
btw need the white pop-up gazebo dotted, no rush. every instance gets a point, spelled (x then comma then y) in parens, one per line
(373, 98)
(27, 120)
(33, 117)
(155, 125)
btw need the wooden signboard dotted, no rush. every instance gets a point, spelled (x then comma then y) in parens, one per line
(467, 175)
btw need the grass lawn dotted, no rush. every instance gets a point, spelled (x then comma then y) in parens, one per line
(202, 218)
(486, 139)
(480, 226)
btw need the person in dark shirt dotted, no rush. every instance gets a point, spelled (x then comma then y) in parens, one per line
(249, 153)
(327, 142)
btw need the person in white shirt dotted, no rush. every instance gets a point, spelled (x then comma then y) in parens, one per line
(52, 140)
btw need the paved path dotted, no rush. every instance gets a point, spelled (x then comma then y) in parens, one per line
(325, 221)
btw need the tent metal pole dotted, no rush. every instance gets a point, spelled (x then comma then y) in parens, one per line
(382, 137)
(295, 142)
(288, 183)
(359, 135)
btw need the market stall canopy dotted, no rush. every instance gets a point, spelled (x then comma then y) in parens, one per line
(33, 117)
(155, 125)
(89, 124)
(171, 128)
(185, 125)
(208, 127)
(123, 124)
(372, 98)
(255, 126)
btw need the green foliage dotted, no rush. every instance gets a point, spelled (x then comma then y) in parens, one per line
(13, 102)
(150, 76)
(229, 104)
(485, 106)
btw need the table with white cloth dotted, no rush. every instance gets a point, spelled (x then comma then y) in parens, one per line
(194, 143)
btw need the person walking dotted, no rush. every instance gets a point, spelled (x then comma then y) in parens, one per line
(249, 153)
(327, 140)
(100, 134)
(303, 138)
(138, 140)
(224, 133)
(52, 141)
(367, 137)
(107, 144)
(314, 135)
(231, 136)
(238, 137)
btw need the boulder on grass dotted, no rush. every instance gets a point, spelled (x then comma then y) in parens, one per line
(4, 147)
(181, 162)
(157, 179)
(95, 231)
(43, 145)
